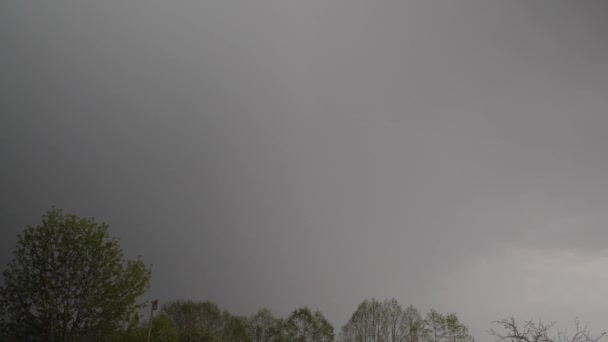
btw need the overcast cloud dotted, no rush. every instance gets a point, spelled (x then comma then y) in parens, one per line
(450, 154)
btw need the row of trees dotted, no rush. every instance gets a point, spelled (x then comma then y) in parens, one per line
(387, 321)
(372, 321)
(189, 321)
(69, 281)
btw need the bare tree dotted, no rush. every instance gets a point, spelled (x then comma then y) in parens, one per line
(528, 331)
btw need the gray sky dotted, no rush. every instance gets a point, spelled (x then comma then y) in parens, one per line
(450, 154)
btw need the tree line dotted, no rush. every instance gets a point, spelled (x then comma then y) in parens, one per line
(187, 320)
(387, 321)
(69, 281)
(372, 321)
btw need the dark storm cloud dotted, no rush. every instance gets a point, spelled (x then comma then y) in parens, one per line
(287, 153)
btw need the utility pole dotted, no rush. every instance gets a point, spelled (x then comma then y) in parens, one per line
(152, 308)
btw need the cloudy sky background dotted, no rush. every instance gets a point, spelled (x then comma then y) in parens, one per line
(450, 154)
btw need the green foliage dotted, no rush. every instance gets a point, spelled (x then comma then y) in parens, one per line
(236, 328)
(372, 321)
(305, 326)
(413, 325)
(195, 321)
(162, 331)
(265, 327)
(435, 323)
(203, 321)
(454, 330)
(68, 281)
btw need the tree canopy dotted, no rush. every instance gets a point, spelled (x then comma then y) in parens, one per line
(162, 330)
(387, 321)
(195, 321)
(203, 321)
(69, 281)
(303, 325)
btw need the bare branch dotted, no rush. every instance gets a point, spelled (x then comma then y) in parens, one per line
(540, 332)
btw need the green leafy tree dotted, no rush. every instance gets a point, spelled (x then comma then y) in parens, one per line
(456, 331)
(236, 328)
(412, 325)
(387, 321)
(360, 326)
(324, 331)
(265, 327)
(375, 321)
(162, 331)
(69, 281)
(303, 325)
(278, 332)
(194, 320)
(393, 322)
(435, 324)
